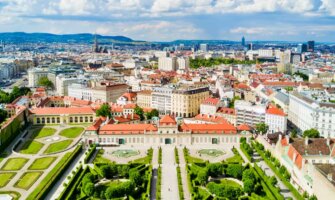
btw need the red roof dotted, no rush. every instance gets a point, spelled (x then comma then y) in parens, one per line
(129, 96)
(298, 159)
(244, 127)
(209, 128)
(62, 110)
(229, 111)
(275, 111)
(211, 101)
(111, 129)
(167, 119)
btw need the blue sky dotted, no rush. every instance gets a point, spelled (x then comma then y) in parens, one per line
(165, 20)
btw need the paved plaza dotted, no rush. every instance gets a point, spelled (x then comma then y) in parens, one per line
(169, 174)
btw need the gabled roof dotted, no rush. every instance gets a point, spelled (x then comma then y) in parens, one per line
(114, 129)
(209, 128)
(275, 111)
(211, 101)
(244, 127)
(167, 119)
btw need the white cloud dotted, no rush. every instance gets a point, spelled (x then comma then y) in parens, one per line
(251, 30)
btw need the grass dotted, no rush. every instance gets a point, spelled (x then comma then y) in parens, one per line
(58, 146)
(27, 180)
(229, 182)
(42, 132)
(147, 159)
(100, 159)
(42, 163)
(31, 147)
(5, 178)
(14, 194)
(72, 132)
(236, 158)
(14, 164)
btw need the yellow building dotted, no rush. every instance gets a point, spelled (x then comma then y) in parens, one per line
(62, 115)
(144, 99)
(185, 101)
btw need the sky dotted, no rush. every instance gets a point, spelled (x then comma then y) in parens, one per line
(167, 20)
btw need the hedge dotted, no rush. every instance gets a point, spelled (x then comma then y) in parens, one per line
(294, 191)
(180, 184)
(159, 184)
(72, 184)
(147, 193)
(42, 190)
(160, 155)
(90, 153)
(176, 155)
(243, 147)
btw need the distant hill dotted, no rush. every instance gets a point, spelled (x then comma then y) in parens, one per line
(21, 37)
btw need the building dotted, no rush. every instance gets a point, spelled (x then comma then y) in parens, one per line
(98, 91)
(34, 75)
(204, 47)
(276, 119)
(186, 100)
(161, 99)
(127, 98)
(183, 63)
(209, 106)
(306, 113)
(310, 46)
(62, 115)
(229, 114)
(144, 99)
(248, 113)
(63, 81)
(166, 131)
(243, 41)
(302, 48)
(167, 63)
(324, 181)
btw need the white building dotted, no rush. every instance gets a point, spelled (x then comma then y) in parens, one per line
(161, 99)
(183, 63)
(167, 63)
(276, 119)
(209, 106)
(63, 81)
(266, 53)
(204, 47)
(306, 113)
(34, 75)
(249, 114)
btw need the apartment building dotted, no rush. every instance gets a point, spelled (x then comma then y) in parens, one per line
(144, 98)
(34, 75)
(248, 113)
(209, 106)
(161, 99)
(276, 119)
(306, 113)
(167, 63)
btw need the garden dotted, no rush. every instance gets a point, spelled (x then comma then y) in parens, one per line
(210, 152)
(108, 180)
(41, 132)
(72, 132)
(58, 146)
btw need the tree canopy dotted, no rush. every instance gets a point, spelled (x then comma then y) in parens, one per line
(262, 128)
(139, 111)
(16, 92)
(104, 110)
(311, 133)
(44, 81)
(151, 114)
(3, 115)
(202, 62)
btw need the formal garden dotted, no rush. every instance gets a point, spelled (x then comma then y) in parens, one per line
(211, 152)
(108, 180)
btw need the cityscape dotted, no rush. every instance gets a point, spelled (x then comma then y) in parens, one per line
(167, 100)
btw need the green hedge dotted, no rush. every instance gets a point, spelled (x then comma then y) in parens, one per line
(90, 153)
(66, 192)
(159, 183)
(159, 155)
(180, 184)
(42, 190)
(243, 147)
(176, 155)
(286, 182)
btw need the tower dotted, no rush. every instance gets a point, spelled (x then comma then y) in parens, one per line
(95, 47)
(243, 41)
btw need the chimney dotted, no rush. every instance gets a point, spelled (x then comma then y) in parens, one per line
(328, 141)
(306, 141)
(287, 139)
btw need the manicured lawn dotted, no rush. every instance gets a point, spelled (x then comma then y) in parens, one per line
(27, 180)
(72, 132)
(31, 147)
(43, 132)
(58, 146)
(236, 158)
(99, 157)
(229, 182)
(5, 178)
(15, 195)
(42, 163)
(13, 164)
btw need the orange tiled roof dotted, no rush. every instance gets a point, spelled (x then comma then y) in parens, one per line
(244, 127)
(111, 129)
(211, 101)
(167, 119)
(224, 110)
(275, 111)
(129, 95)
(209, 128)
(62, 110)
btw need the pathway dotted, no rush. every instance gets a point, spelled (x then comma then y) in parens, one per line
(169, 175)
(183, 172)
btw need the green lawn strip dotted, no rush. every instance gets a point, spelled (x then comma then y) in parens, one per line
(58, 146)
(236, 158)
(27, 180)
(266, 188)
(42, 132)
(31, 147)
(229, 182)
(13, 164)
(100, 159)
(180, 184)
(14, 194)
(69, 190)
(72, 132)
(5, 178)
(145, 160)
(294, 191)
(42, 163)
(41, 191)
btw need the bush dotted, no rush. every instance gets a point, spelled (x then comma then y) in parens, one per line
(90, 153)
(234, 170)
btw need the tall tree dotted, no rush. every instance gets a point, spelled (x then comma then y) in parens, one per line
(139, 111)
(44, 81)
(104, 110)
(262, 128)
(3, 115)
(311, 133)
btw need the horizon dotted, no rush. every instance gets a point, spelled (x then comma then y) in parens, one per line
(168, 20)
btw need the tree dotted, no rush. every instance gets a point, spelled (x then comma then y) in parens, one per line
(112, 192)
(262, 127)
(294, 133)
(135, 177)
(139, 111)
(89, 189)
(234, 170)
(104, 110)
(202, 177)
(44, 81)
(248, 186)
(154, 113)
(123, 170)
(311, 133)
(215, 169)
(248, 174)
(3, 115)
(273, 180)
(105, 171)
(232, 102)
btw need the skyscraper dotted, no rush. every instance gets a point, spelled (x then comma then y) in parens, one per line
(204, 47)
(310, 46)
(301, 48)
(95, 47)
(243, 41)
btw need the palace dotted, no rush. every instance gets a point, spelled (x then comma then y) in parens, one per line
(163, 131)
